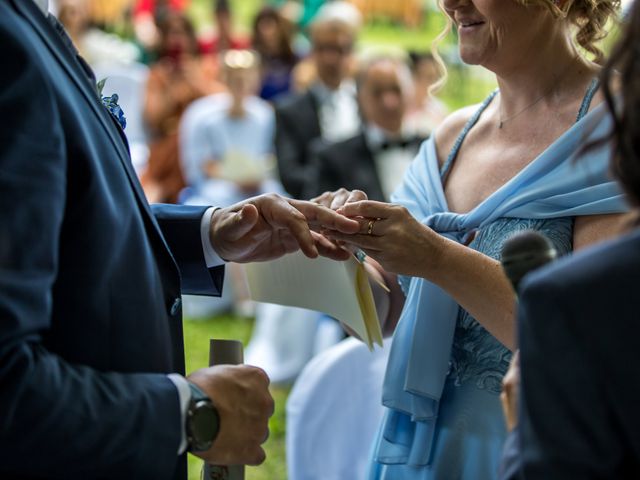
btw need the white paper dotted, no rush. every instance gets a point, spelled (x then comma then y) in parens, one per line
(318, 284)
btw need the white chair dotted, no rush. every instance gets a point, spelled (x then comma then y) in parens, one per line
(333, 413)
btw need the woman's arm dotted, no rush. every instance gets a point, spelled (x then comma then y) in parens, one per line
(403, 245)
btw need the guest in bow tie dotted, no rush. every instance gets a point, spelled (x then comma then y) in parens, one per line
(373, 160)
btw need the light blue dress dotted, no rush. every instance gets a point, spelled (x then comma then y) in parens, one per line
(443, 418)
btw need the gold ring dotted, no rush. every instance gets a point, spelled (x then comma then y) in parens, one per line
(372, 222)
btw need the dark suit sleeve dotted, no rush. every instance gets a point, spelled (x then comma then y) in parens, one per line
(565, 426)
(321, 177)
(291, 153)
(180, 225)
(58, 419)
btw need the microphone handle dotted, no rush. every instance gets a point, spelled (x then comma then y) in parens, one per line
(224, 352)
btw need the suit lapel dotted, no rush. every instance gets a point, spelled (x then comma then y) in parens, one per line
(65, 57)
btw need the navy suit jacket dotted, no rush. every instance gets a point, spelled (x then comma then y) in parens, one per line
(579, 324)
(90, 277)
(297, 137)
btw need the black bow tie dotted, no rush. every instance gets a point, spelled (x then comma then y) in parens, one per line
(401, 143)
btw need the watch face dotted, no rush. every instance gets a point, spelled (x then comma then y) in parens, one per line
(204, 426)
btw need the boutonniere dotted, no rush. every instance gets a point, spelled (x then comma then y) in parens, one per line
(111, 104)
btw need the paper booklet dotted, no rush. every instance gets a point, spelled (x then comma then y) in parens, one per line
(339, 289)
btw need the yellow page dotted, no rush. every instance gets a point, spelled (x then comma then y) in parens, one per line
(318, 284)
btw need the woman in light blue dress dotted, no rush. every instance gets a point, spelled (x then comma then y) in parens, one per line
(488, 172)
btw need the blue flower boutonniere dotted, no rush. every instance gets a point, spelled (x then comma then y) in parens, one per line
(111, 104)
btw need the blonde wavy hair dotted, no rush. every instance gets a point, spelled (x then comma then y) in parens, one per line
(589, 19)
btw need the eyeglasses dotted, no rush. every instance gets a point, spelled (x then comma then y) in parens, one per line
(333, 48)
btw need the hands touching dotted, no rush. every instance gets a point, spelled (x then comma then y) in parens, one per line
(269, 226)
(241, 396)
(339, 198)
(392, 236)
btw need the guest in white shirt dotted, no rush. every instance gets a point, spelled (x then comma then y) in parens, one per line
(227, 139)
(374, 159)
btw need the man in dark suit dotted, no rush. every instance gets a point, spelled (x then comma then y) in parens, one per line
(91, 351)
(375, 159)
(326, 112)
(578, 322)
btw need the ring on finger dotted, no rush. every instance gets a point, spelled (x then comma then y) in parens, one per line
(370, 225)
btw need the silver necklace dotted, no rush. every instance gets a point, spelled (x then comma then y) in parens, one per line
(556, 80)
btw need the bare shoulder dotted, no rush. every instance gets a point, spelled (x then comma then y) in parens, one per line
(450, 128)
(592, 229)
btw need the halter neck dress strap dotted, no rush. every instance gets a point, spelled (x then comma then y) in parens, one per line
(584, 108)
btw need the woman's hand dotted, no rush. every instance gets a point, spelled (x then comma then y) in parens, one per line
(389, 234)
(339, 198)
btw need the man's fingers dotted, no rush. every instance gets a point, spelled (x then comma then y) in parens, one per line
(242, 222)
(365, 242)
(356, 196)
(295, 223)
(328, 249)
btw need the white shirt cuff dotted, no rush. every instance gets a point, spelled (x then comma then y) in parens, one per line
(184, 395)
(211, 258)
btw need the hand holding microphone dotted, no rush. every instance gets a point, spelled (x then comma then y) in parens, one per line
(524, 252)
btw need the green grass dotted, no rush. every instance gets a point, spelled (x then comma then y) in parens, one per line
(196, 337)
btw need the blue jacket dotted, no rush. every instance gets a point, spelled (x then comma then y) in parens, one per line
(90, 277)
(579, 364)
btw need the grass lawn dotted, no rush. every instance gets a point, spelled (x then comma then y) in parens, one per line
(197, 335)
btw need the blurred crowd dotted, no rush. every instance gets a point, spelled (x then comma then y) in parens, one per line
(221, 116)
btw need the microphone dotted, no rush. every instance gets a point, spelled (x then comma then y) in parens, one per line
(524, 252)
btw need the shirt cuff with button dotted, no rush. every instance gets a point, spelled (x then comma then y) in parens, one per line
(211, 257)
(184, 395)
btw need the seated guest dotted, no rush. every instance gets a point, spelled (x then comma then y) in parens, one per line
(225, 38)
(272, 39)
(228, 149)
(375, 159)
(175, 80)
(327, 111)
(579, 361)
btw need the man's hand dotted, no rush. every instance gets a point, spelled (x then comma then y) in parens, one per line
(510, 389)
(269, 226)
(241, 395)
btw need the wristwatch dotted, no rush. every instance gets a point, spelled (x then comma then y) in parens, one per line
(203, 421)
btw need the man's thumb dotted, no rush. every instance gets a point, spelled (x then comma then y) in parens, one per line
(244, 221)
